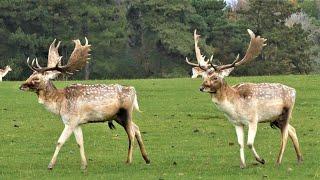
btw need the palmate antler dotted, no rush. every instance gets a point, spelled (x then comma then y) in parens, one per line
(77, 60)
(254, 49)
(53, 54)
(200, 58)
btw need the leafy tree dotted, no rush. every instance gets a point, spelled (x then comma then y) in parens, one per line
(286, 50)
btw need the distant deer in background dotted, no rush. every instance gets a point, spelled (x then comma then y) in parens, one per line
(81, 104)
(249, 103)
(4, 72)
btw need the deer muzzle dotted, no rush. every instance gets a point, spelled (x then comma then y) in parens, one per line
(24, 87)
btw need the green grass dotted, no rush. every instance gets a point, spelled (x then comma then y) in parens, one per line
(185, 135)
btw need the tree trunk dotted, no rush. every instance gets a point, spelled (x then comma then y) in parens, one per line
(318, 7)
(85, 31)
(87, 72)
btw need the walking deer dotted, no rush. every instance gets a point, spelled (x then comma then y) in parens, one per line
(4, 72)
(249, 103)
(81, 104)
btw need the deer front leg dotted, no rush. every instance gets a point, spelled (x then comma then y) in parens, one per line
(67, 131)
(240, 136)
(251, 135)
(79, 138)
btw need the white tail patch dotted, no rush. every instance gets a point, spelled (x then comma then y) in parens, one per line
(135, 104)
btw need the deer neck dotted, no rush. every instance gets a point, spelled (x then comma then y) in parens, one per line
(4, 72)
(50, 97)
(224, 94)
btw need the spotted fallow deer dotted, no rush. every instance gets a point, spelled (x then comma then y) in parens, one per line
(4, 72)
(249, 103)
(81, 104)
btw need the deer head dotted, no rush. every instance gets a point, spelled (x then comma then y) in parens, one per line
(42, 75)
(213, 74)
(8, 68)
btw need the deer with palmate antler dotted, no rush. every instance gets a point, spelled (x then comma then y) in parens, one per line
(249, 103)
(81, 104)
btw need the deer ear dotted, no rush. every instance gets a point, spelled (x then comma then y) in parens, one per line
(196, 71)
(225, 72)
(52, 74)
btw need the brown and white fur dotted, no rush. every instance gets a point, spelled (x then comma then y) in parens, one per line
(196, 72)
(81, 104)
(4, 72)
(248, 104)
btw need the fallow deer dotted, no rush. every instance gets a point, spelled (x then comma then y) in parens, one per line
(81, 104)
(249, 103)
(4, 72)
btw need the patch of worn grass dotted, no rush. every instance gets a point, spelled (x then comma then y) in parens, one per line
(185, 135)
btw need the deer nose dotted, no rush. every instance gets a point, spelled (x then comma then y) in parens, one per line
(22, 87)
(201, 88)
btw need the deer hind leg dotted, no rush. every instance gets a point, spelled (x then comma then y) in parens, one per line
(294, 138)
(240, 136)
(67, 131)
(124, 119)
(251, 136)
(141, 144)
(283, 124)
(79, 138)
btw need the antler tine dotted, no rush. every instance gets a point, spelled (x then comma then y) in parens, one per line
(37, 63)
(215, 67)
(58, 45)
(53, 43)
(32, 68)
(196, 65)
(190, 63)
(33, 61)
(86, 44)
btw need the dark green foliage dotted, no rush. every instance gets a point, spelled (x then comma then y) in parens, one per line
(287, 47)
(150, 38)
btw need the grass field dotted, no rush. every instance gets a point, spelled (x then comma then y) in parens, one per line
(185, 135)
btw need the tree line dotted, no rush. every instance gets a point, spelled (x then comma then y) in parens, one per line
(151, 38)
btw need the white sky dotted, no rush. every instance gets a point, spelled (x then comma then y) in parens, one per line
(230, 2)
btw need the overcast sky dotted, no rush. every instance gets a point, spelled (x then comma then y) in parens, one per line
(230, 1)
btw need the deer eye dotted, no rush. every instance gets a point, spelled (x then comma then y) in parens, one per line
(36, 79)
(215, 78)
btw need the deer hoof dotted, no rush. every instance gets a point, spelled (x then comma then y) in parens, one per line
(83, 166)
(262, 161)
(242, 165)
(50, 166)
(128, 162)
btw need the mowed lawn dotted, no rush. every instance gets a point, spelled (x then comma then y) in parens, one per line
(186, 136)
